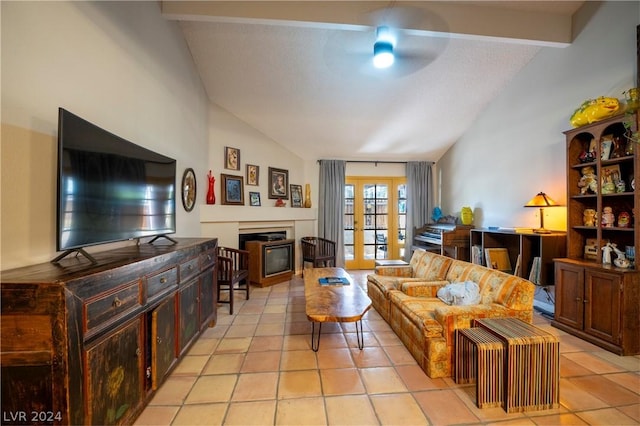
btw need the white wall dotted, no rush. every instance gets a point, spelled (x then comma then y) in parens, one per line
(516, 147)
(120, 65)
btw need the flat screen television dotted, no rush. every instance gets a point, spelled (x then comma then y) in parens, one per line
(109, 189)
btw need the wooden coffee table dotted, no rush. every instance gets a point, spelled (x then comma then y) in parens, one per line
(333, 303)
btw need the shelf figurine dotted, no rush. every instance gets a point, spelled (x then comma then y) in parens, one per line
(606, 254)
(608, 219)
(589, 217)
(588, 181)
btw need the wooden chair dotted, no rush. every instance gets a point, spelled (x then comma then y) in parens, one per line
(318, 251)
(233, 273)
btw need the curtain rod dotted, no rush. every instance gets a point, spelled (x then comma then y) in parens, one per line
(380, 161)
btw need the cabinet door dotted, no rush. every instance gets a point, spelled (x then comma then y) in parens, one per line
(207, 297)
(602, 305)
(569, 307)
(163, 340)
(114, 370)
(189, 322)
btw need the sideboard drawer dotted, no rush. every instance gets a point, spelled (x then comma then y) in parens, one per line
(110, 306)
(189, 269)
(159, 283)
(207, 259)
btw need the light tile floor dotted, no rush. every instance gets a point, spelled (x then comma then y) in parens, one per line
(256, 367)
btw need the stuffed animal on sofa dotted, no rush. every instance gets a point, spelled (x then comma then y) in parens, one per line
(588, 181)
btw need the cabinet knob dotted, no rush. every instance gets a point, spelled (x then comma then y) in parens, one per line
(578, 299)
(138, 352)
(163, 280)
(117, 302)
(159, 340)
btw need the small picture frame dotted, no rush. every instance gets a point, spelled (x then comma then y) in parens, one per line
(231, 158)
(611, 179)
(605, 146)
(278, 183)
(498, 258)
(296, 195)
(232, 190)
(254, 199)
(253, 175)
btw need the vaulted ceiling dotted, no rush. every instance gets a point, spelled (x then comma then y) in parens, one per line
(301, 73)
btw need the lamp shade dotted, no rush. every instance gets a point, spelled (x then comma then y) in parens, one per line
(541, 200)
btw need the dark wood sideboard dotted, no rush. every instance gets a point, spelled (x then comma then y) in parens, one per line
(86, 343)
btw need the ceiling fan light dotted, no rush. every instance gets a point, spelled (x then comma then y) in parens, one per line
(383, 54)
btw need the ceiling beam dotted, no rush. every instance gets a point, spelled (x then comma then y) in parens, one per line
(538, 23)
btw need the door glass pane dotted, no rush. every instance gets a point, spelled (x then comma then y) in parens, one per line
(402, 217)
(349, 222)
(348, 252)
(376, 218)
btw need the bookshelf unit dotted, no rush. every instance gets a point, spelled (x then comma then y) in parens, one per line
(598, 301)
(527, 245)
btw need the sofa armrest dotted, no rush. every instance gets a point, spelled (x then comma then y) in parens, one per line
(456, 317)
(422, 288)
(395, 271)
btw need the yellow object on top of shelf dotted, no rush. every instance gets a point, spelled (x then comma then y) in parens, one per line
(594, 110)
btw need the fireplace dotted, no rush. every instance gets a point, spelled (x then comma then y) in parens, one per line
(270, 261)
(260, 236)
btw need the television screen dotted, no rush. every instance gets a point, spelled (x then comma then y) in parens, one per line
(110, 189)
(277, 259)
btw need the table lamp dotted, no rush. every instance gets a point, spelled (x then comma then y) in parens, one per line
(541, 200)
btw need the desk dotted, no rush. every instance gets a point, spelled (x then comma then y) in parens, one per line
(333, 303)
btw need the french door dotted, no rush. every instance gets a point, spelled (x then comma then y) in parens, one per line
(374, 220)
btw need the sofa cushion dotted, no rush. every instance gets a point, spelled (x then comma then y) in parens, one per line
(394, 271)
(383, 281)
(459, 271)
(433, 267)
(422, 288)
(516, 293)
(419, 310)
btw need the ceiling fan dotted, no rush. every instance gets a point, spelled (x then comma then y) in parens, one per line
(352, 50)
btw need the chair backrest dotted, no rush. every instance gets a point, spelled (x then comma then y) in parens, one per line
(230, 262)
(317, 247)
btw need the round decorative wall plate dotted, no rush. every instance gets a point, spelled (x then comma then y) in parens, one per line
(189, 189)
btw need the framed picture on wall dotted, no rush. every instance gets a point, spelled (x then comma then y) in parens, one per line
(296, 195)
(253, 174)
(232, 190)
(254, 199)
(278, 183)
(232, 158)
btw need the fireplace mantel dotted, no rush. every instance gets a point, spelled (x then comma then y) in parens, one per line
(227, 222)
(218, 213)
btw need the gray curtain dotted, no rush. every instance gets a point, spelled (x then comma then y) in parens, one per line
(331, 205)
(419, 199)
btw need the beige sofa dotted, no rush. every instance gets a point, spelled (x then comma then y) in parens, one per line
(406, 297)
